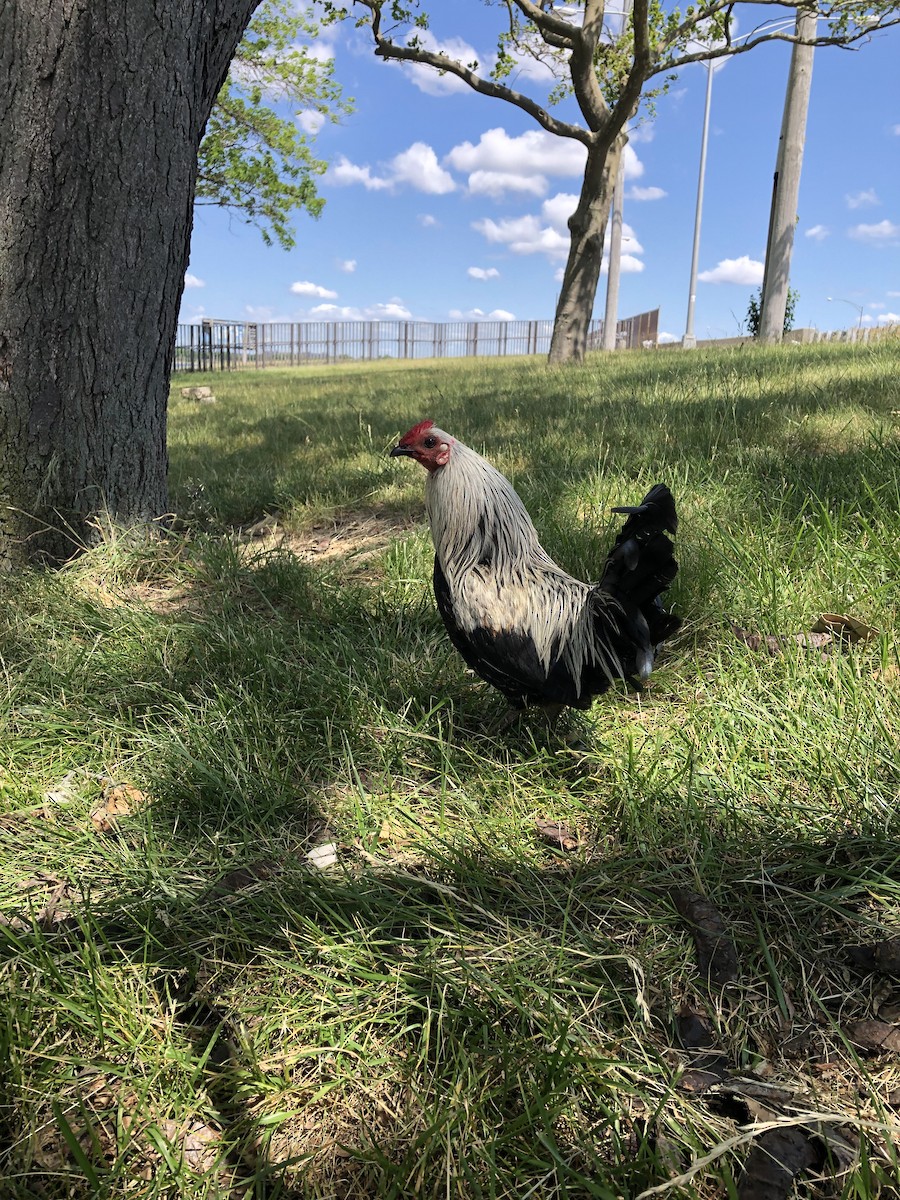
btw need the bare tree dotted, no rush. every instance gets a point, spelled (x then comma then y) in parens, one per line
(609, 67)
(101, 114)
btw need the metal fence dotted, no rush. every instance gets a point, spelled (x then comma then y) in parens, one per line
(218, 345)
(876, 334)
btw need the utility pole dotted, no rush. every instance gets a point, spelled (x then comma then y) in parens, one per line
(689, 341)
(786, 184)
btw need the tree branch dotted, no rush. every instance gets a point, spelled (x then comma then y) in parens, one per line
(385, 48)
(548, 23)
(641, 67)
(845, 42)
(585, 84)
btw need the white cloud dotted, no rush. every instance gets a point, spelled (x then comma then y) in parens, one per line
(483, 273)
(533, 153)
(193, 281)
(628, 264)
(499, 163)
(344, 172)
(557, 210)
(476, 314)
(642, 132)
(629, 242)
(305, 288)
(645, 193)
(862, 199)
(427, 221)
(322, 49)
(392, 310)
(548, 233)
(882, 233)
(634, 168)
(427, 79)
(417, 166)
(497, 183)
(528, 68)
(347, 265)
(310, 121)
(524, 235)
(889, 318)
(895, 129)
(743, 270)
(817, 232)
(665, 338)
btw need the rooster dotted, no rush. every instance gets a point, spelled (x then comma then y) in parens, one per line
(520, 621)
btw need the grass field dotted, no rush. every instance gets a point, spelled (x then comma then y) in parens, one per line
(192, 1007)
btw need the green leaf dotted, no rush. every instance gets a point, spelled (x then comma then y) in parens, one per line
(253, 160)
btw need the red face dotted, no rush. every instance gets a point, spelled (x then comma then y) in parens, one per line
(426, 444)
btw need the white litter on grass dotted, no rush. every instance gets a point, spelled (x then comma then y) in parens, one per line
(66, 790)
(323, 856)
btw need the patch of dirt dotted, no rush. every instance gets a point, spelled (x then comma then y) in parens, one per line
(357, 536)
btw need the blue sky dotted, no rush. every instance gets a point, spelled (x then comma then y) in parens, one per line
(442, 204)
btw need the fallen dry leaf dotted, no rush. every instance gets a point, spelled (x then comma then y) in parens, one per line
(887, 956)
(874, 1036)
(117, 800)
(846, 628)
(556, 834)
(777, 643)
(879, 956)
(197, 1142)
(698, 1082)
(716, 954)
(776, 1158)
(55, 911)
(694, 1029)
(829, 630)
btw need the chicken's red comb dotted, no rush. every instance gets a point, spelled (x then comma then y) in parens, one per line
(422, 427)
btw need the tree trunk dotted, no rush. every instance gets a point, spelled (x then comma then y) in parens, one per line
(587, 225)
(101, 114)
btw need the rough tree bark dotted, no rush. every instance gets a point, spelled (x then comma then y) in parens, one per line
(587, 226)
(101, 114)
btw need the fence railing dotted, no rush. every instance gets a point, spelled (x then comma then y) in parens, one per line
(875, 334)
(219, 345)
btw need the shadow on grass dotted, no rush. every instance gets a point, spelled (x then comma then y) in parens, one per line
(455, 996)
(491, 1009)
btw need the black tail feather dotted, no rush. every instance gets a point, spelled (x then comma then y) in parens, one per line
(641, 564)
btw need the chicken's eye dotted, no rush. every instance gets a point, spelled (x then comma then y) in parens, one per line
(430, 443)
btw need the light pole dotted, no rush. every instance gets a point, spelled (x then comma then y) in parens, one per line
(688, 342)
(859, 308)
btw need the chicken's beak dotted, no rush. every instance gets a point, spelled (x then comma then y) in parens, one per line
(398, 450)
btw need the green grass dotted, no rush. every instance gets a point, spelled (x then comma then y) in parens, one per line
(189, 1008)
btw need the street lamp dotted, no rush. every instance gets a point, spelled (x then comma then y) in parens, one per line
(859, 308)
(689, 341)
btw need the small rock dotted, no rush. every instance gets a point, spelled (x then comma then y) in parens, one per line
(203, 394)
